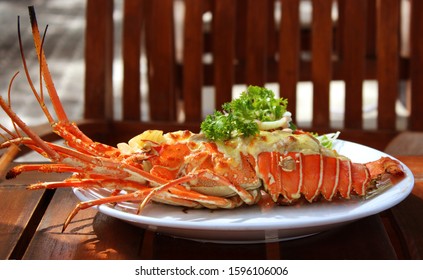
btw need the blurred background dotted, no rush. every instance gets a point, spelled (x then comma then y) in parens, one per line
(64, 47)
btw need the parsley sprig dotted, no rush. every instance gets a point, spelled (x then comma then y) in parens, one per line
(240, 117)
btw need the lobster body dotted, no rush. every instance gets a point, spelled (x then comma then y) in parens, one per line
(287, 166)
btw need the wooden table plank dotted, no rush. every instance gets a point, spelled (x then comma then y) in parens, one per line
(408, 218)
(360, 240)
(91, 235)
(408, 214)
(166, 247)
(20, 205)
(24, 210)
(351, 241)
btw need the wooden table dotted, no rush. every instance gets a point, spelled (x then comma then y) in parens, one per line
(31, 222)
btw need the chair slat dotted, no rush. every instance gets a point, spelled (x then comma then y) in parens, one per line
(387, 61)
(99, 60)
(224, 20)
(256, 43)
(240, 42)
(161, 60)
(289, 52)
(371, 29)
(248, 48)
(416, 69)
(353, 59)
(131, 45)
(193, 59)
(272, 32)
(321, 64)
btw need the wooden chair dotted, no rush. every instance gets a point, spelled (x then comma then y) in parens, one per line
(248, 47)
(339, 52)
(406, 143)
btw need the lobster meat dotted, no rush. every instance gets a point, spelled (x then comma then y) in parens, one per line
(187, 169)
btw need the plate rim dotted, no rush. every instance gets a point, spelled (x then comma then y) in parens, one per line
(170, 226)
(407, 184)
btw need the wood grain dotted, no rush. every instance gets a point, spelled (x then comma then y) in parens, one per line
(98, 100)
(21, 205)
(91, 235)
(407, 215)
(321, 63)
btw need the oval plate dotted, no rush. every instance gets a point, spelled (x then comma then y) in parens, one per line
(251, 224)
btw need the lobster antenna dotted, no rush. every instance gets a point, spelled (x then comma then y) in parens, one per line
(58, 108)
(2, 127)
(9, 101)
(45, 147)
(41, 68)
(28, 77)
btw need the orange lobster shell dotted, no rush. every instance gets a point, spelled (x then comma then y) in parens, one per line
(287, 166)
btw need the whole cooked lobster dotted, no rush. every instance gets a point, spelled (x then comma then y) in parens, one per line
(249, 153)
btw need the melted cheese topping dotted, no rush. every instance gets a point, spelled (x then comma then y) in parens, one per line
(275, 141)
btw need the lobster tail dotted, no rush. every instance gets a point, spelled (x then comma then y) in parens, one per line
(384, 165)
(288, 177)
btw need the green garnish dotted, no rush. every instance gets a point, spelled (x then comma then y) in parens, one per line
(242, 116)
(326, 140)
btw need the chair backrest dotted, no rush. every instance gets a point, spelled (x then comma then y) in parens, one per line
(247, 44)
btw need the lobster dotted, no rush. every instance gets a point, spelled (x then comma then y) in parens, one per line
(279, 165)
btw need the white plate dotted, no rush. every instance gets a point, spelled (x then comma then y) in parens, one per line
(252, 225)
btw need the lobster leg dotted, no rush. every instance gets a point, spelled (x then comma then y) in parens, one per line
(78, 160)
(46, 168)
(106, 166)
(210, 202)
(75, 161)
(35, 138)
(247, 197)
(134, 196)
(78, 140)
(90, 183)
(168, 194)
